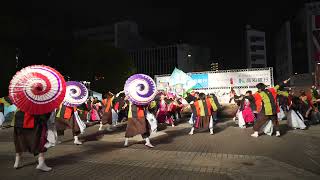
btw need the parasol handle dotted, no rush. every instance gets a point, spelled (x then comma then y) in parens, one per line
(119, 93)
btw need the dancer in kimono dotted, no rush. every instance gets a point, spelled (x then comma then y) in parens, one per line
(29, 134)
(246, 115)
(95, 109)
(5, 115)
(283, 102)
(107, 110)
(151, 111)
(65, 119)
(121, 107)
(2, 104)
(202, 110)
(137, 124)
(216, 101)
(175, 108)
(308, 110)
(191, 99)
(266, 101)
(295, 118)
(162, 114)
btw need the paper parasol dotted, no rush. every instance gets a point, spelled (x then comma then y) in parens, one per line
(37, 89)
(76, 94)
(140, 89)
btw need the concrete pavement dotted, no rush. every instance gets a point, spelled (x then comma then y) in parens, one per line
(228, 154)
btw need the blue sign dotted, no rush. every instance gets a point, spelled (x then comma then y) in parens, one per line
(201, 80)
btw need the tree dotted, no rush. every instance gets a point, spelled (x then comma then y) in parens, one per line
(106, 67)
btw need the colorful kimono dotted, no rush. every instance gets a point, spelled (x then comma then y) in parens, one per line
(163, 114)
(94, 113)
(202, 110)
(267, 106)
(7, 110)
(247, 113)
(65, 119)
(30, 132)
(107, 111)
(295, 118)
(137, 123)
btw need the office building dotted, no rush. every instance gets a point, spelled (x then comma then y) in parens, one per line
(163, 60)
(255, 48)
(297, 49)
(123, 35)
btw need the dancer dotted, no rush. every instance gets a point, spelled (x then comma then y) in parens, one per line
(65, 119)
(295, 119)
(107, 110)
(266, 101)
(137, 124)
(246, 115)
(202, 110)
(308, 110)
(95, 109)
(216, 101)
(7, 110)
(162, 114)
(120, 107)
(30, 136)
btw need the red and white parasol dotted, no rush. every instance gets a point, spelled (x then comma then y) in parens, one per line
(37, 89)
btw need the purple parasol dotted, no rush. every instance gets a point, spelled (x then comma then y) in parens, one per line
(140, 89)
(76, 94)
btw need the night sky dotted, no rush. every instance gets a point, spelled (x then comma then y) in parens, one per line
(42, 31)
(219, 25)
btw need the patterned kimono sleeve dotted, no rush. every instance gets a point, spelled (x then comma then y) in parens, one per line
(258, 101)
(213, 104)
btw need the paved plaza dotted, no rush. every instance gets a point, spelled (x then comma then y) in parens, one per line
(228, 154)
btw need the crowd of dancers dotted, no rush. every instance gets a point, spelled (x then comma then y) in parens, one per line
(262, 109)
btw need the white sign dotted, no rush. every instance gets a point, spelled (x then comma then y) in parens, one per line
(241, 78)
(220, 83)
(162, 82)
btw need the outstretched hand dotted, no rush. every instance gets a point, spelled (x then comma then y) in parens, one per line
(286, 81)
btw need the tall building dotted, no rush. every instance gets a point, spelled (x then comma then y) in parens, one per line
(255, 48)
(163, 60)
(283, 52)
(214, 66)
(124, 35)
(297, 48)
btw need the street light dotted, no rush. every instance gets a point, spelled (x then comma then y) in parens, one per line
(189, 55)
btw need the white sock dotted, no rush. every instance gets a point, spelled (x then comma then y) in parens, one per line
(211, 131)
(191, 131)
(255, 134)
(76, 140)
(42, 165)
(277, 133)
(148, 143)
(126, 142)
(100, 128)
(17, 161)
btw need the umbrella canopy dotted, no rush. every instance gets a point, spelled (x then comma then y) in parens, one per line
(140, 89)
(37, 89)
(76, 94)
